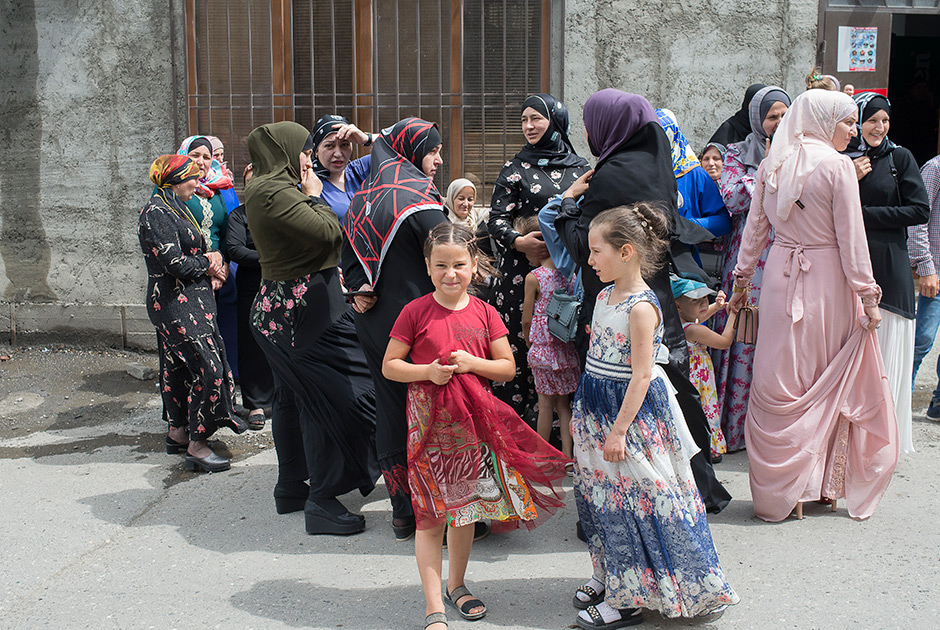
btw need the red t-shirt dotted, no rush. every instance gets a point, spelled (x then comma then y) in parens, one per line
(433, 330)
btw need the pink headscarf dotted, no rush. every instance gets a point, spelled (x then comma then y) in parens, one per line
(801, 142)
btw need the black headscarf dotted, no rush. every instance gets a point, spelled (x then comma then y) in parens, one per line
(324, 127)
(736, 128)
(396, 189)
(199, 141)
(869, 104)
(553, 149)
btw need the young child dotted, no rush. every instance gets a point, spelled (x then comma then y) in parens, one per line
(641, 512)
(554, 363)
(470, 457)
(694, 310)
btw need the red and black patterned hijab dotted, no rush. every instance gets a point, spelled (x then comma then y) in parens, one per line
(396, 189)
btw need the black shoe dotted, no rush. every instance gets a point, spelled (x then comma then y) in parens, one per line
(405, 530)
(287, 499)
(933, 411)
(175, 448)
(716, 459)
(210, 463)
(481, 529)
(236, 424)
(319, 521)
(579, 531)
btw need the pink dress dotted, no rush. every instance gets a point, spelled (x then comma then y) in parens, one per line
(702, 375)
(554, 363)
(820, 419)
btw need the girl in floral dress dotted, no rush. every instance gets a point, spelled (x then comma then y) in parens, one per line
(470, 457)
(554, 363)
(642, 515)
(694, 310)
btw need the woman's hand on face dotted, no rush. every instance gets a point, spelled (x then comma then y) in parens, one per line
(440, 374)
(310, 184)
(579, 186)
(862, 166)
(531, 245)
(873, 314)
(352, 133)
(362, 303)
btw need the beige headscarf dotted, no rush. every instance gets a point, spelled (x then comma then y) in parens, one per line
(450, 202)
(802, 141)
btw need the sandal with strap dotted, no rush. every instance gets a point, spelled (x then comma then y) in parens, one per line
(465, 608)
(434, 618)
(628, 617)
(256, 421)
(595, 597)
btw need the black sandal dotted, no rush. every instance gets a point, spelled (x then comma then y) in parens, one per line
(628, 617)
(595, 597)
(465, 608)
(434, 618)
(256, 421)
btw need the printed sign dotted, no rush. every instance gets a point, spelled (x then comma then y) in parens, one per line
(857, 49)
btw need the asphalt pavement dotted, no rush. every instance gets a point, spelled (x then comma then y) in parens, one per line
(103, 530)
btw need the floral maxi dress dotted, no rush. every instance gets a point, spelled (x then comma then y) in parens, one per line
(643, 517)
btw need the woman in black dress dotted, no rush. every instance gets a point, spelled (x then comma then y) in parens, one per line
(195, 381)
(255, 378)
(546, 166)
(324, 416)
(383, 252)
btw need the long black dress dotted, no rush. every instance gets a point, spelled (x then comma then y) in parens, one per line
(522, 189)
(196, 383)
(256, 380)
(324, 415)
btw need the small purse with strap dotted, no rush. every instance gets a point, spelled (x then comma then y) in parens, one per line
(746, 319)
(562, 313)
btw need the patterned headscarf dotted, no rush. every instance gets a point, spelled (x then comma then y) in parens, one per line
(169, 170)
(683, 157)
(396, 189)
(217, 178)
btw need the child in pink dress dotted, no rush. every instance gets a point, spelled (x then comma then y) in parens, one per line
(553, 362)
(470, 457)
(694, 310)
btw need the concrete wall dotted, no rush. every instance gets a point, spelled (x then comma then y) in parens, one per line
(695, 57)
(86, 103)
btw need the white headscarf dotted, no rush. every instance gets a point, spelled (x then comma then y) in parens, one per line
(451, 199)
(802, 141)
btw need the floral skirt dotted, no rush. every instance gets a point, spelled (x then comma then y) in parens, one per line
(643, 517)
(470, 457)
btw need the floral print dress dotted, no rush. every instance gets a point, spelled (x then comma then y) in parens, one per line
(522, 189)
(195, 380)
(702, 375)
(643, 517)
(554, 363)
(733, 367)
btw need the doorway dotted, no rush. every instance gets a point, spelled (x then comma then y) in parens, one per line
(914, 84)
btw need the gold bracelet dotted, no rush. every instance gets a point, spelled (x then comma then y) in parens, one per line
(736, 289)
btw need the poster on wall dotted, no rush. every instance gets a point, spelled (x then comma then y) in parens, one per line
(857, 49)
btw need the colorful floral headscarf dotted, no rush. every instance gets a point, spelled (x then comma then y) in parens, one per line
(169, 170)
(218, 177)
(683, 157)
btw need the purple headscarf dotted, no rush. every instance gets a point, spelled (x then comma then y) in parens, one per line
(611, 117)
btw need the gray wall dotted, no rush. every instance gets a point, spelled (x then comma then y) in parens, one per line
(695, 57)
(86, 103)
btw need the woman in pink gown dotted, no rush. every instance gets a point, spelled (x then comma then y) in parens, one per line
(820, 422)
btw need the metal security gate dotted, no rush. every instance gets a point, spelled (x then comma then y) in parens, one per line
(465, 64)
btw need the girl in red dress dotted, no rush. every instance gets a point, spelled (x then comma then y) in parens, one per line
(470, 457)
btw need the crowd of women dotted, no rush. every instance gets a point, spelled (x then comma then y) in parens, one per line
(402, 334)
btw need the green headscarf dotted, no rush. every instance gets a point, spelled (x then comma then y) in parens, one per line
(295, 234)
